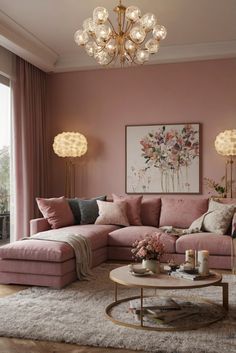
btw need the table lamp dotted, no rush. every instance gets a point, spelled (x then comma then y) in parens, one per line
(70, 145)
(225, 145)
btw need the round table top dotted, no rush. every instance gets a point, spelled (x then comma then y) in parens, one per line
(122, 275)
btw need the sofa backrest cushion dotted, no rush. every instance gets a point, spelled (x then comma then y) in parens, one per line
(89, 209)
(150, 211)
(182, 212)
(56, 211)
(74, 206)
(133, 208)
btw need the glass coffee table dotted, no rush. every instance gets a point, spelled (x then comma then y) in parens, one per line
(122, 276)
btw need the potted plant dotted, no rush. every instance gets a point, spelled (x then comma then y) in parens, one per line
(149, 250)
(219, 188)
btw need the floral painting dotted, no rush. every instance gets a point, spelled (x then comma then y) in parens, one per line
(162, 158)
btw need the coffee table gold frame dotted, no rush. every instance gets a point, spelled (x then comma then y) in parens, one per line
(122, 276)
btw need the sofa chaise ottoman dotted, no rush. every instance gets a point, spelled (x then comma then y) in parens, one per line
(50, 263)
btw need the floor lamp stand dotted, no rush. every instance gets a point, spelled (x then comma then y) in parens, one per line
(70, 178)
(229, 183)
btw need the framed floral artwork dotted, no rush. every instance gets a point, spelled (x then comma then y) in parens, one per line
(163, 159)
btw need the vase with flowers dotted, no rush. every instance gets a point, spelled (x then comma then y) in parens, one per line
(149, 250)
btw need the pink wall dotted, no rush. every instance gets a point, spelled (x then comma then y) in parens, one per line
(100, 103)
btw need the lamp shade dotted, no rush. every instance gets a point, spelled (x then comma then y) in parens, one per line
(70, 144)
(225, 143)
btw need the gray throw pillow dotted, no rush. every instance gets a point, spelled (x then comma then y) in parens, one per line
(74, 206)
(89, 209)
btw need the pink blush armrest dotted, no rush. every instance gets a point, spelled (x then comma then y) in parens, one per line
(39, 225)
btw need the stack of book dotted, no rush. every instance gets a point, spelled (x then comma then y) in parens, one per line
(161, 310)
(192, 276)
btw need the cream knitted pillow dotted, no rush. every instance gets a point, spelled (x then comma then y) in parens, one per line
(112, 213)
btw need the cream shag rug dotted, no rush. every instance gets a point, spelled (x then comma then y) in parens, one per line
(76, 315)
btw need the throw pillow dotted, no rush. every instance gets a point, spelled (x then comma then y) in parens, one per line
(181, 212)
(216, 220)
(214, 205)
(74, 206)
(89, 209)
(112, 213)
(150, 211)
(56, 211)
(133, 208)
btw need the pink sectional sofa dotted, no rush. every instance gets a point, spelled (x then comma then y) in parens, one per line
(49, 263)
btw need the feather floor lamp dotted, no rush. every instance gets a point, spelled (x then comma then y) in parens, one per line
(225, 145)
(70, 145)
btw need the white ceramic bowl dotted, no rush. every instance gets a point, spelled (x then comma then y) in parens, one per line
(138, 269)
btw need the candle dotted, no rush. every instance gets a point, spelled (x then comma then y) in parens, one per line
(190, 257)
(203, 262)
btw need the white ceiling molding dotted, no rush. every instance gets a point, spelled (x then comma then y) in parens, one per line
(170, 54)
(7, 68)
(24, 44)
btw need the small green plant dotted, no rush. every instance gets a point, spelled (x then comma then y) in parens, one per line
(212, 185)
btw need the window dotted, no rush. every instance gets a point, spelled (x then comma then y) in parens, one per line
(4, 160)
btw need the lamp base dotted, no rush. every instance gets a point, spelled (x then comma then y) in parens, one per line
(70, 179)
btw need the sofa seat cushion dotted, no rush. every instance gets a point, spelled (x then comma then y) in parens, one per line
(96, 234)
(37, 250)
(180, 213)
(216, 244)
(125, 237)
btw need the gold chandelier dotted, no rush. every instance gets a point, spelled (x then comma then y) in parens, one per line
(127, 43)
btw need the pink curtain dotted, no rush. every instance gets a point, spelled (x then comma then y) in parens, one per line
(29, 145)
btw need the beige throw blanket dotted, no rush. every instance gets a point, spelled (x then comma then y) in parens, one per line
(81, 246)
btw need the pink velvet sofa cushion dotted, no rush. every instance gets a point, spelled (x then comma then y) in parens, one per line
(133, 209)
(38, 250)
(181, 212)
(125, 237)
(96, 234)
(56, 211)
(150, 211)
(216, 244)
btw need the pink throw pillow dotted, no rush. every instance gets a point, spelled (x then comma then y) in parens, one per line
(133, 208)
(56, 211)
(150, 211)
(181, 212)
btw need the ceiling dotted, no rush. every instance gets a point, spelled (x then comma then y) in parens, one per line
(41, 31)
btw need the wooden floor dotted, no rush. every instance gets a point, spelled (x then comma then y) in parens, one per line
(13, 345)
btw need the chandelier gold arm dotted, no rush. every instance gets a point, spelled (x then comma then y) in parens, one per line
(111, 25)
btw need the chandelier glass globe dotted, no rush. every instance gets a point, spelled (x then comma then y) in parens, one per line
(148, 21)
(100, 15)
(159, 32)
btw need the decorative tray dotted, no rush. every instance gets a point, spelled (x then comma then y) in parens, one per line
(136, 274)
